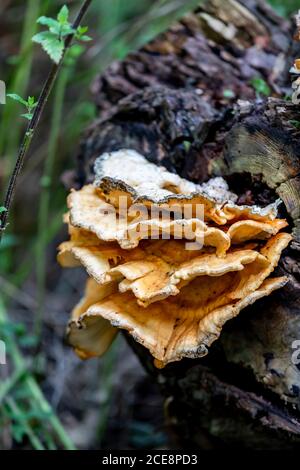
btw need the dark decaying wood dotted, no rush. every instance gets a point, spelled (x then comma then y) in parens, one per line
(186, 100)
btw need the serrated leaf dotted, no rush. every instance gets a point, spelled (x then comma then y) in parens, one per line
(52, 41)
(55, 49)
(63, 15)
(17, 98)
(51, 44)
(50, 22)
(43, 36)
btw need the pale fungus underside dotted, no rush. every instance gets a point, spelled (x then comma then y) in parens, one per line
(142, 276)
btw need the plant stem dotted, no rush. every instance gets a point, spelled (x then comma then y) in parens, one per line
(9, 140)
(46, 408)
(43, 98)
(17, 412)
(49, 441)
(43, 214)
(10, 383)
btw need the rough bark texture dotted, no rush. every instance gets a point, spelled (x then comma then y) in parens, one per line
(187, 100)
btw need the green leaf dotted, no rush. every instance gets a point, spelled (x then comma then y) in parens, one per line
(31, 104)
(2, 209)
(85, 38)
(66, 30)
(52, 24)
(260, 85)
(52, 41)
(82, 29)
(17, 98)
(31, 101)
(43, 37)
(63, 15)
(80, 34)
(51, 44)
(295, 123)
(27, 116)
(55, 49)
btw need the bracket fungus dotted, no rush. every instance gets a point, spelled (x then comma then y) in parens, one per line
(169, 276)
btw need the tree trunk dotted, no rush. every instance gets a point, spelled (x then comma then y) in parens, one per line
(187, 100)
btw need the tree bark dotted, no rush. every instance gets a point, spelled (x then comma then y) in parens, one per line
(187, 101)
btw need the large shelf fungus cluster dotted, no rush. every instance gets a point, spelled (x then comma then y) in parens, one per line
(168, 276)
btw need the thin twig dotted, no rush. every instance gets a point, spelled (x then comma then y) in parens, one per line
(35, 120)
(9, 140)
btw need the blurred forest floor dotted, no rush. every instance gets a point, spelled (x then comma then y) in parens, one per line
(106, 403)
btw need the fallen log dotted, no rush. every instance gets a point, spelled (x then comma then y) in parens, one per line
(194, 99)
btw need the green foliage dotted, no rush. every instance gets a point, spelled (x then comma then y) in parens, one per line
(17, 98)
(51, 44)
(30, 104)
(295, 123)
(53, 40)
(61, 26)
(261, 87)
(286, 7)
(80, 34)
(63, 16)
(23, 405)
